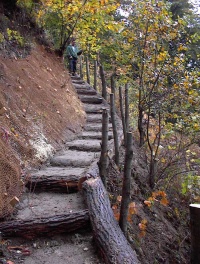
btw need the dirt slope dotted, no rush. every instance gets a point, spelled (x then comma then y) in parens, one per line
(39, 110)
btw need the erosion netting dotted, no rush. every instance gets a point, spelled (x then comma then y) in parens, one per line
(10, 183)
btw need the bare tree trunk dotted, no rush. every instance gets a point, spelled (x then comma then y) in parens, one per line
(126, 107)
(122, 114)
(115, 135)
(152, 172)
(87, 69)
(195, 233)
(103, 162)
(103, 81)
(81, 67)
(95, 74)
(112, 81)
(140, 125)
(126, 189)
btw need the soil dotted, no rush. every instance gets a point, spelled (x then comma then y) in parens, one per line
(165, 236)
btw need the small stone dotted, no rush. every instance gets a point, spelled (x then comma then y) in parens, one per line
(85, 249)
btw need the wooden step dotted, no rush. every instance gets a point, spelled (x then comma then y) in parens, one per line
(83, 91)
(95, 135)
(73, 158)
(95, 127)
(95, 109)
(57, 179)
(90, 99)
(85, 145)
(52, 225)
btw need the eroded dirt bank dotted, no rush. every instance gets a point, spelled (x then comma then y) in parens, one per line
(39, 110)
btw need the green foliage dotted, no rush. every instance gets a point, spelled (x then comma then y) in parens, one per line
(1, 38)
(15, 35)
(190, 183)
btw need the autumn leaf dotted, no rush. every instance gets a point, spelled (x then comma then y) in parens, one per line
(148, 203)
(164, 201)
(132, 208)
(119, 198)
(142, 226)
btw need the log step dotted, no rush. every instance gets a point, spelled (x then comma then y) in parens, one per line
(76, 78)
(95, 135)
(55, 179)
(95, 109)
(51, 225)
(84, 85)
(85, 145)
(78, 81)
(97, 118)
(73, 158)
(86, 91)
(91, 99)
(96, 127)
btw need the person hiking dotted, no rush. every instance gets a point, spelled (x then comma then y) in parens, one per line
(72, 54)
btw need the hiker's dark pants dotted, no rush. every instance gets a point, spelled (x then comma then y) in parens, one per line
(72, 65)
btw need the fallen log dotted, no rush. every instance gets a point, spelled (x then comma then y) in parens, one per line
(111, 241)
(45, 225)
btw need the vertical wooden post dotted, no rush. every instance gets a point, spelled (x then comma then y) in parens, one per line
(195, 233)
(87, 69)
(112, 82)
(81, 67)
(122, 114)
(103, 162)
(115, 135)
(95, 74)
(126, 189)
(126, 107)
(103, 81)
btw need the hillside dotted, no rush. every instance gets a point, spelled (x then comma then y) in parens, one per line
(39, 110)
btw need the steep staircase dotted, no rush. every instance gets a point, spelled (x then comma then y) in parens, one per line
(52, 204)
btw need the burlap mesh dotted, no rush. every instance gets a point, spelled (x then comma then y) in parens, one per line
(10, 184)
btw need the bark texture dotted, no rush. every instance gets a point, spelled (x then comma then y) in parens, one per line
(108, 236)
(103, 81)
(46, 225)
(66, 184)
(126, 189)
(122, 114)
(103, 162)
(114, 126)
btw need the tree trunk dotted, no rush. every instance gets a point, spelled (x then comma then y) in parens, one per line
(152, 172)
(108, 236)
(126, 189)
(112, 80)
(46, 225)
(122, 114)
(87, 69)
(195, 233)
(103, 162)
(103, 81)
(126, 107)
(140, 125)
(115, 135)
(81, 67)
(95, 74)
